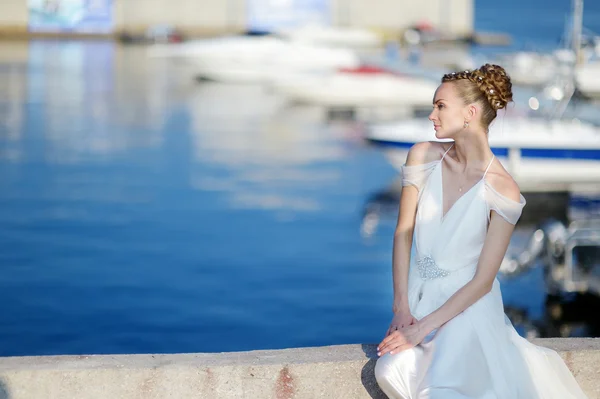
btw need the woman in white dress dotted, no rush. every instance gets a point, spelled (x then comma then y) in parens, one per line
(449, 337)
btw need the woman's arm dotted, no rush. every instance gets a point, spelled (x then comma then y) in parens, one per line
(419, 154)
(403, 237)
(494, 249)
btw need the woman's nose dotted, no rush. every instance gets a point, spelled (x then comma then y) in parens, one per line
(431, 115)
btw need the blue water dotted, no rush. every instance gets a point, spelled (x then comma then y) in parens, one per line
(140, 212)
(532, 24)
(134, 218)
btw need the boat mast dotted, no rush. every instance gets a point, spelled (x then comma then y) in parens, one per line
(577, 29)
(570, 84)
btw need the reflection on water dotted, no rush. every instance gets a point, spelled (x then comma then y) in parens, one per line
(144, 212)
(261, 143)
(77, 97)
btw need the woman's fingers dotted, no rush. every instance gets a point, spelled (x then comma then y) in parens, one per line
(395, 346)
(387, 339)
(390, 348)
(399, 340)
(392, 341)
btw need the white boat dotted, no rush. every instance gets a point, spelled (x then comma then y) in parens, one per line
(530, 68)
(549, 67)
(541, 154)
(357, 87)
(578, 58)
(585, 74)
(255, 59)
(333, 36)
(587, 78)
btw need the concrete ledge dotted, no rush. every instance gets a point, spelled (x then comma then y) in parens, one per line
(330, 372)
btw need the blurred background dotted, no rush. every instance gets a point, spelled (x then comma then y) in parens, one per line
(207, 176)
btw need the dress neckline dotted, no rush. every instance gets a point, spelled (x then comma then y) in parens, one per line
(444, 214)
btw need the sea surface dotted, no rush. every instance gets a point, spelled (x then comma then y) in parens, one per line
(141, 212)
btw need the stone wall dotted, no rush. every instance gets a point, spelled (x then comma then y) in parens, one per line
(324, 372)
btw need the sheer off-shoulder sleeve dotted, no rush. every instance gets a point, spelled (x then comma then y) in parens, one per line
(417, 175)
(509, 209)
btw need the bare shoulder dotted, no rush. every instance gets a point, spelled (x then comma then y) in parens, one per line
(503, 182)
(425, 152)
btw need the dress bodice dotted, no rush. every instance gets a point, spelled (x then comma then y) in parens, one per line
(446, 248)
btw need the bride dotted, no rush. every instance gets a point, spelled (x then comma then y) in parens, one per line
(449, 337)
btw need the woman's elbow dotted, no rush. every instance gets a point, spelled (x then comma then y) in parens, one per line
(484, 285)
(403, 232)
(403, 238)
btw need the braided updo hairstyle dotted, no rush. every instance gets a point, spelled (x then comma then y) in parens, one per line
(489, 85)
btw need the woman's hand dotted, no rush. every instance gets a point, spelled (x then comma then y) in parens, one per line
(402, 339)
(402, 318)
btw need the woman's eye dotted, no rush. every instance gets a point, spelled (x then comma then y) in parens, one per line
(440, 106)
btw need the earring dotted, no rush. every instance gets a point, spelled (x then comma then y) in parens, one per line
(466, 125)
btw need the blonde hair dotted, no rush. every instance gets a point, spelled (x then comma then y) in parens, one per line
(488, 85)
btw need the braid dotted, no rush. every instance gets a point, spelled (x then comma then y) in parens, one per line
(489, 84)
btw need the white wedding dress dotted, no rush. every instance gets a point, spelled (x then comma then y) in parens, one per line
(477, 354)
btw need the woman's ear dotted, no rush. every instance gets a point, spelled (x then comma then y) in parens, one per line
(472, 112)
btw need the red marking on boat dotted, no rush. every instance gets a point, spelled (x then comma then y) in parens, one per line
(368, 70)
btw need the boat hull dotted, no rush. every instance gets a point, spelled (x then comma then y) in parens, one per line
(550, 158)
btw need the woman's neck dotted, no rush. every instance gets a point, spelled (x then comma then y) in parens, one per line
(472, 149)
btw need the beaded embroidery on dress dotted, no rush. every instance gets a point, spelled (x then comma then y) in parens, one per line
(428, 269)
(477, 354)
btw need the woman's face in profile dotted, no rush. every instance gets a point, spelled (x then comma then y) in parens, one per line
(448, 112)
